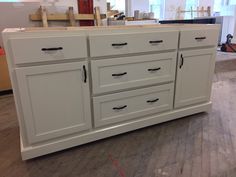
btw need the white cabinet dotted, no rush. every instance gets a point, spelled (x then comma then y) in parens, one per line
(194, 76)
(55, 100)
(140, 76)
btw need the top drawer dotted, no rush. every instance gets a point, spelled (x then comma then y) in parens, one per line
(116, 44)
(40, 49)
(198, 38)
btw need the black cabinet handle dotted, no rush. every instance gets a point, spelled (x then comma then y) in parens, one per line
(156, 42)
(153, 101)
(119, 74)
(200, 38)
(120, 108)
(154, 69)
(51, 49)
(182, 61)
(119, 44)
(85, 74)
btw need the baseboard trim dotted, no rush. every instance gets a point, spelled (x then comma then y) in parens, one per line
(75, 140)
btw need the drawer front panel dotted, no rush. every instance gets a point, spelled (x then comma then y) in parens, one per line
(198, 38)
(127, 72)
(40, 49)
(117, 44)
(128, 105)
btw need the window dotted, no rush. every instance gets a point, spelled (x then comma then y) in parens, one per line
(217, 5)
(232, 2)
(117, 5)
(190, 4)
(157, 7)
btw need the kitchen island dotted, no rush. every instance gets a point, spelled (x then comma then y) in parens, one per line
(77, 85)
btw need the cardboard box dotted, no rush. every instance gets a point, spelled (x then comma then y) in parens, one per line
(5, 83)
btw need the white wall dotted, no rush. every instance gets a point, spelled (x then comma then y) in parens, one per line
(141, 5)
(59, 3)
(171, 7)
(233, 24)
(14, 15)
(206, 3)
(102, 4)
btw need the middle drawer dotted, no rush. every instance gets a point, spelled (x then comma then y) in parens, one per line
(128, 72)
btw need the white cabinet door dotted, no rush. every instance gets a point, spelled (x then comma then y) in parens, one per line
(55, 100)
(194, 76)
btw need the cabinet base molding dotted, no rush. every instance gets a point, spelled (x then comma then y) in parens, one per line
(75, 140)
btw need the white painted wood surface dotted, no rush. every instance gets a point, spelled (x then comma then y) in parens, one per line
(102, 45)
(30, 49)
(55, 100)
(194, 78)
(118, 107)
(134, 71)
(198, 38)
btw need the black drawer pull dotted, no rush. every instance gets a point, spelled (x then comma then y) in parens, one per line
(200, 38)
(85, 74)
(154, 69)
(156, 42)
(153, 101)
(120, 108)
(119, 74)
(182, 61)
(119, 44)
(51, 49)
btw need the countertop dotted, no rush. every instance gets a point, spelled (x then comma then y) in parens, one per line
(95, 28)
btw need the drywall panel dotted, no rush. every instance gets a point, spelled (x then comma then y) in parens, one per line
(14, 15)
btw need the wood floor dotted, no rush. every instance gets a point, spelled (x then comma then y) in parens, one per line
(203, 145)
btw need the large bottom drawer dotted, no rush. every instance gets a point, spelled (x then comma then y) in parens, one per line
(119, 107)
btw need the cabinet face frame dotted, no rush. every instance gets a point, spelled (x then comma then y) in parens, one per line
(183, 71)
(27, 103)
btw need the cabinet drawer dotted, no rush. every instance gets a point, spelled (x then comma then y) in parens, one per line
(128, 105)
(40, 49)
(198, 38)
(116, 44)
(127, 72)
